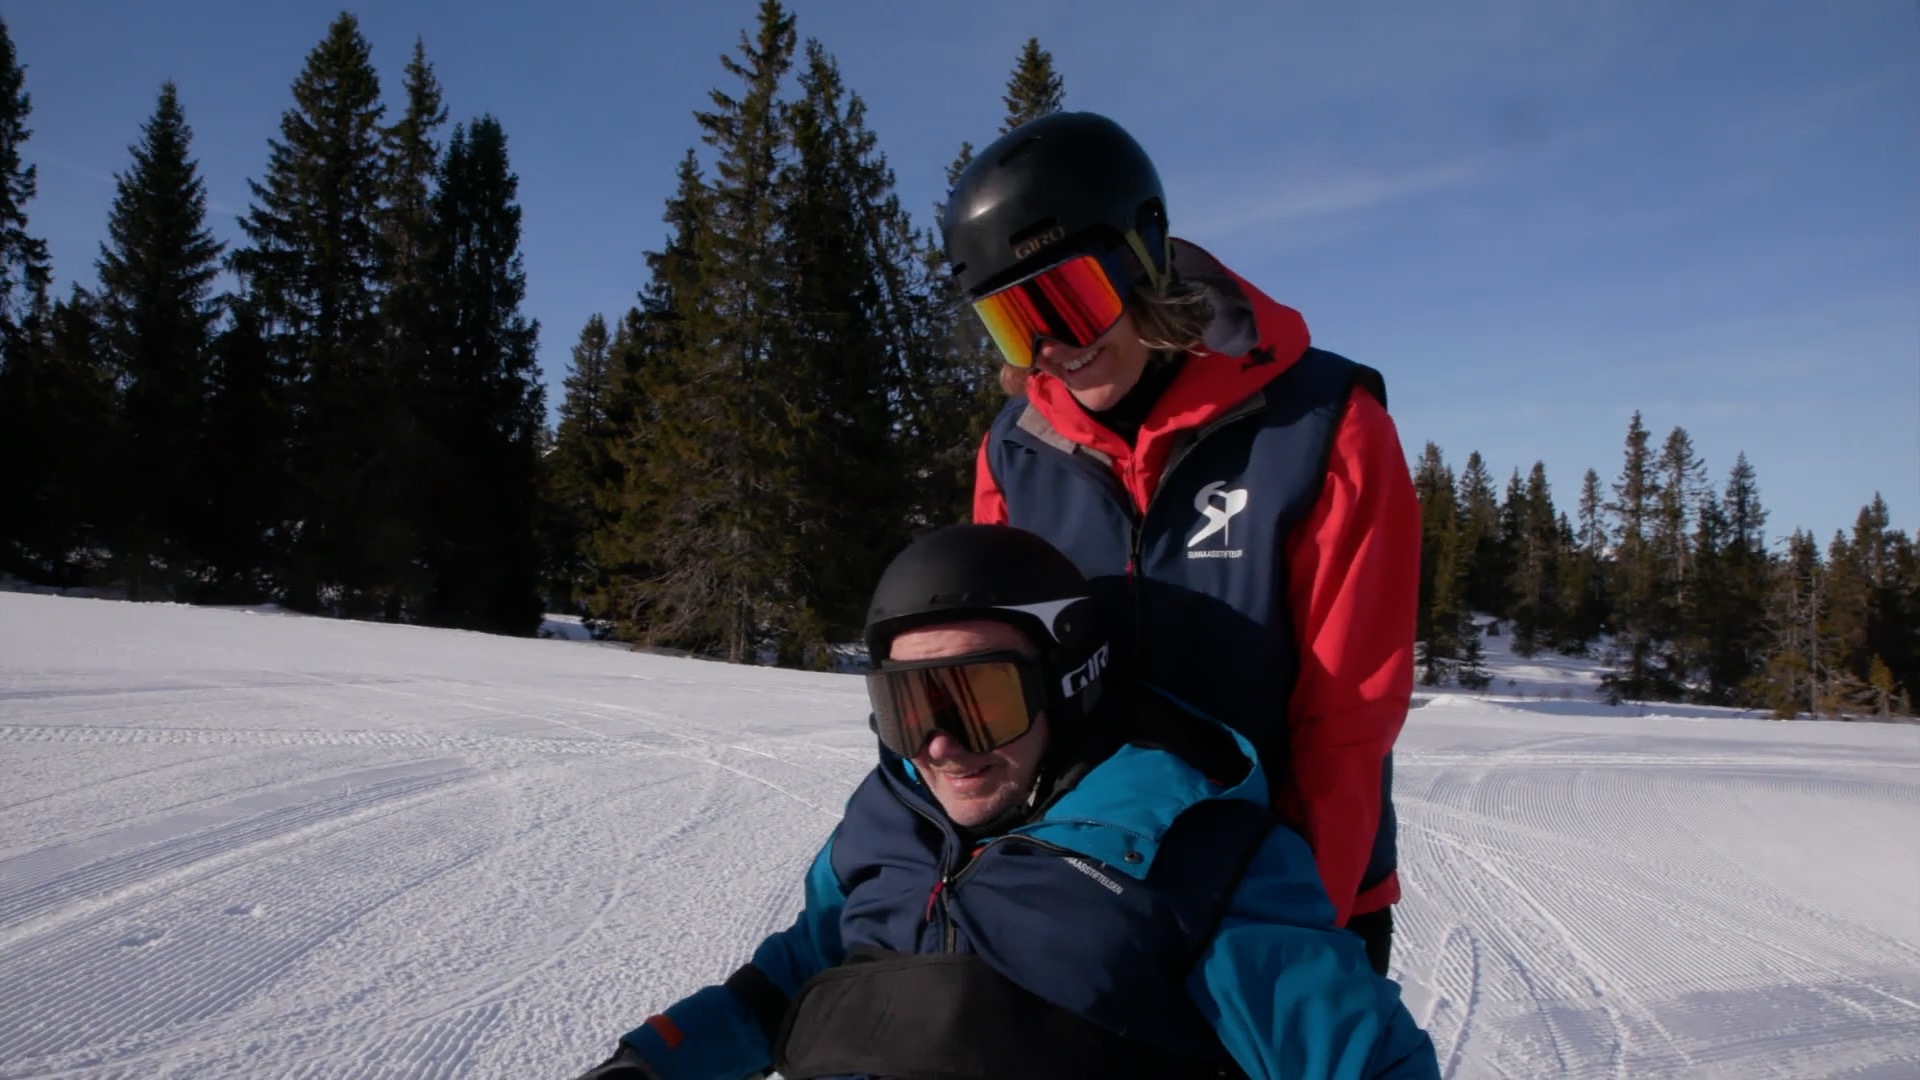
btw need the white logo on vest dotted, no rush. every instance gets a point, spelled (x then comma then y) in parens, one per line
(1219, 520)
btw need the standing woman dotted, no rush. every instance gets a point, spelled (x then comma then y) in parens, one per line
(1239, 497)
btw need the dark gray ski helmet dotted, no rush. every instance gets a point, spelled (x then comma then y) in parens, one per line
(1052, 187)
(997, 572)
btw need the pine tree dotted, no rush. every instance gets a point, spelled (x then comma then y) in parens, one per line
(409, 163)
(751, 549)
(575, 471)
(1682, 488)
(1535, 581)
(1584, 573)
(604, 450)
(1703, 603)
(1487, 560)
(959, 389)
(1035, 89)
(1442, 566)
(33, 543)
(965, 381)
(1592, 536)
(25, 271)
(1845, 620)
(1509, 539)
(1792, 676)
(415, 337)
(245, 462)
(588, 383)
(1866, 619)
(157, 318)
(652, 396)
(1730, 607)
(1635, 661)
(485, 558)
(725, 545)
(1472, 672)
(1746, 519)
(59, 466)
(1566, 561)
(1882, 552)
(1901, 652)
(312, 277)
(851, 352)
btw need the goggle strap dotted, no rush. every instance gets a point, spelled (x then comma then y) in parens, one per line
(1147, 261)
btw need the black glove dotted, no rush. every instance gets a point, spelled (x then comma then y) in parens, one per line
(625, 1064)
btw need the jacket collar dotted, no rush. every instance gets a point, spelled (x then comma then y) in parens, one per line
(1252, 340)
(1120, 809)
(1173, 759)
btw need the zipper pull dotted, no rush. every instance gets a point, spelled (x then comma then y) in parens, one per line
(931, 897)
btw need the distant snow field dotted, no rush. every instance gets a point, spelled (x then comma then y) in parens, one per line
(247, 844)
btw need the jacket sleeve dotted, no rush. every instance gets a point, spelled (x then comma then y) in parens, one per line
(715, 1033)
(1290, 995)
(1353, 569)
(989, 505)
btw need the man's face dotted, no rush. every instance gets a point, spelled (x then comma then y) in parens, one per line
(974, 788)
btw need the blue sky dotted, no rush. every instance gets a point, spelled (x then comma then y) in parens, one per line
(1534, 216)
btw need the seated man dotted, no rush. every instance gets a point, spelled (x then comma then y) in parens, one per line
(1050, 873)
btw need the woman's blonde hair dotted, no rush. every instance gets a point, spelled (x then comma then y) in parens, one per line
(1013, 380)
(1173, 318)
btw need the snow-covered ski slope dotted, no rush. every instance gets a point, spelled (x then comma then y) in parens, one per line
(243, 844)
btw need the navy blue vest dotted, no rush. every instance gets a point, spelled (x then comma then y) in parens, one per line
(1205, 615)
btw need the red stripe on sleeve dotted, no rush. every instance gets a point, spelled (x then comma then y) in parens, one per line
(668, 1031)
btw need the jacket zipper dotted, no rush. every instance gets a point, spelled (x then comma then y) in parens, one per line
(950, 880)
(943, 889)
(947, 878)
(939, 893)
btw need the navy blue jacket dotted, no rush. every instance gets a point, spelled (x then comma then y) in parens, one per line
(1111, 904)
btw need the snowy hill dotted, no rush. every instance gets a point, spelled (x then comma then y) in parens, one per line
(255, 844)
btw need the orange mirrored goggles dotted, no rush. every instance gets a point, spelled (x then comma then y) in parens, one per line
(1072, 302)
(983, 702)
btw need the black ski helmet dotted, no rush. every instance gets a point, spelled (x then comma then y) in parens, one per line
(1051, 187)
(997, 572)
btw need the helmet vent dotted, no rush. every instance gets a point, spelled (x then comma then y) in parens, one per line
(1017, 149)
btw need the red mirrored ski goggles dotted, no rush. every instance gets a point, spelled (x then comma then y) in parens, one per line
(983, 701)
(1072, 302)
